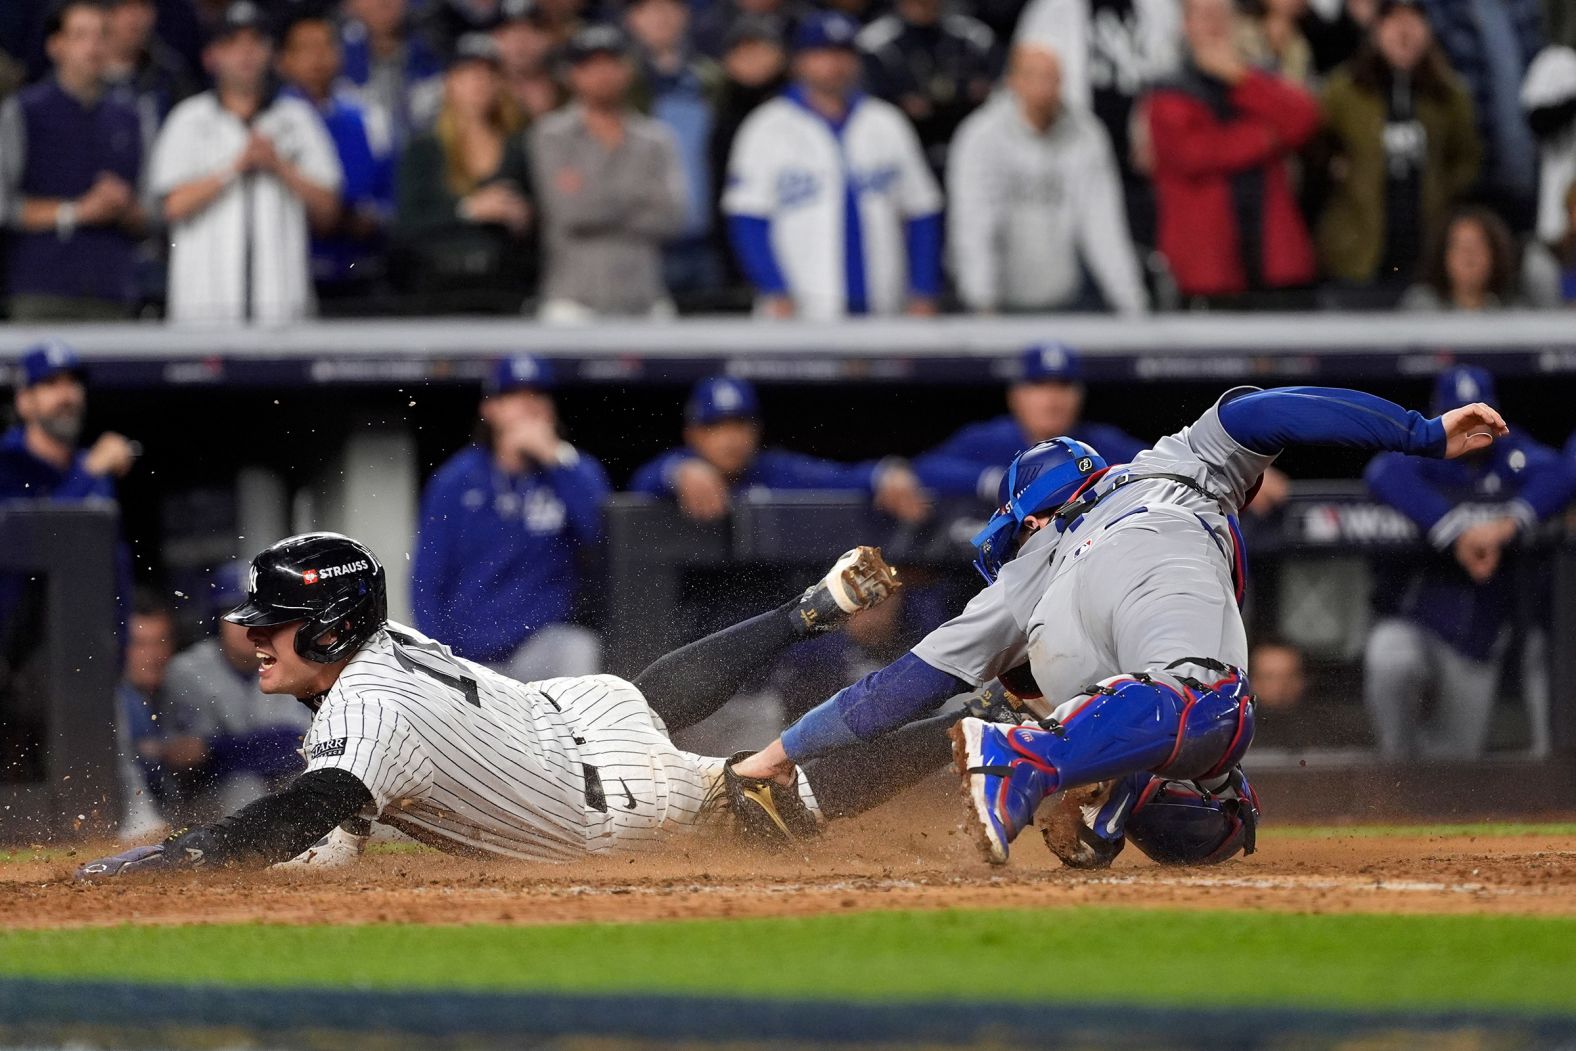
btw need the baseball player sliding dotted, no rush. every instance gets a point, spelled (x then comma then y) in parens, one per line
(1093, 570)
(468, 760)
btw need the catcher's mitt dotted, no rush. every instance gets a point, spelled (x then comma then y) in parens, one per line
(764, 811)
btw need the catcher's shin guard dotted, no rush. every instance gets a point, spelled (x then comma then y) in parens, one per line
(1167, 723)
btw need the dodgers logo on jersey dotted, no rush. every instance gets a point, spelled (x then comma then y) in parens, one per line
(874, 180)
(797, 187)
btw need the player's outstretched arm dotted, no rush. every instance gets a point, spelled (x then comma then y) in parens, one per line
(1268, 421)
(877, 704)
(274, 828)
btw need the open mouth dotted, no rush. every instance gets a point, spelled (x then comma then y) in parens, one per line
(264, 661)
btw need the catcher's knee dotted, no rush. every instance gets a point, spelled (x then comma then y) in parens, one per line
(1179, 823)
(1215, 725)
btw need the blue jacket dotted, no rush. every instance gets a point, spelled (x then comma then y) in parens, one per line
(771, 469)
(972, 461)
(368, 185)
(1517, 478)
(24, 476)
(496, 553)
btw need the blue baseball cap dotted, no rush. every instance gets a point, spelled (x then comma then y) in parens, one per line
(721, 398)
(48, 360)
(1463, 385)
(521, 372)
(826, 29)
(1050, 363)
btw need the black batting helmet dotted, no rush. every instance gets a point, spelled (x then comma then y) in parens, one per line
(333, 583)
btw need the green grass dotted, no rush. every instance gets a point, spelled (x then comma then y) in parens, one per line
(1351, 961)
(1474, 828)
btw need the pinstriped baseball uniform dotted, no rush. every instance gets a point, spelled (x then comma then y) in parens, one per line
(465, 759)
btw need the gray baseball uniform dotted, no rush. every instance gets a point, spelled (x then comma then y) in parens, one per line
(1142, 579)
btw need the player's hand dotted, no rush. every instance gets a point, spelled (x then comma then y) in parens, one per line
(921, 306)
(131, 862)
(112, 454)
(769, 764)
(535, 437)
(780, 307)
(899, 494)
(701, 489)
(1480, 547)
(1472, 428)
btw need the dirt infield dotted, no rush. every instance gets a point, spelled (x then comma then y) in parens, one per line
(910, 854)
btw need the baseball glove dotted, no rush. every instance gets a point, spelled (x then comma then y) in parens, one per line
(764, 811)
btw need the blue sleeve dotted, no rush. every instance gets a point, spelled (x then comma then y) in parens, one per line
(779, 469)
(752, 245)
(960, 465)
(428, 569)
(1268, 421)
(923, 235)
(1399, 482)
(654, 478)
(877, 704)
(583, 487)
(355, 157)
(1551, 481)
(80, 485)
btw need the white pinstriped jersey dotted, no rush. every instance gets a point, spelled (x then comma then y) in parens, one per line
(465, 759)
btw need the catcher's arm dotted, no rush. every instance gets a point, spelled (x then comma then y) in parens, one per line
(274, 828)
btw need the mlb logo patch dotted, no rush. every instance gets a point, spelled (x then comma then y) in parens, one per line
(309, 577)
(329, 749)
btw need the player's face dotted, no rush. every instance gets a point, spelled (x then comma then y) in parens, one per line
(1276, 673)
(381, 17)
(600, 80)
(1036, 78)
(729, 445)
(1045, 410)
(1469, 260)
(1403, 38)
(829, 70)
(78, 50)
(150, 643)
(55, 406)
(310, 57)
(280, 669)
(239, 62)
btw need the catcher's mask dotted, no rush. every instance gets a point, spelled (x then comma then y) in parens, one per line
(334, 584)
(1038, 480)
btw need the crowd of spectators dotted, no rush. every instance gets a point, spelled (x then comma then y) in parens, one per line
(267, 160)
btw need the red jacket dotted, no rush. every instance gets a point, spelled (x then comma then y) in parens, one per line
(1198, 156)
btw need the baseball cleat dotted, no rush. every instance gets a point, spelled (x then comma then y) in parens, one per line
(858, 580)
(1001, 785)
(764, 811)
(1066, 827)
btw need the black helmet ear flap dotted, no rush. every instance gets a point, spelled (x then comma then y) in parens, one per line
(340, 628)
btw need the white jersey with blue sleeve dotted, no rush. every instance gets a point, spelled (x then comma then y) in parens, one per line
(836, 199)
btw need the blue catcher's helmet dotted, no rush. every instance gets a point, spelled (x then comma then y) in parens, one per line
(1038, 479)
